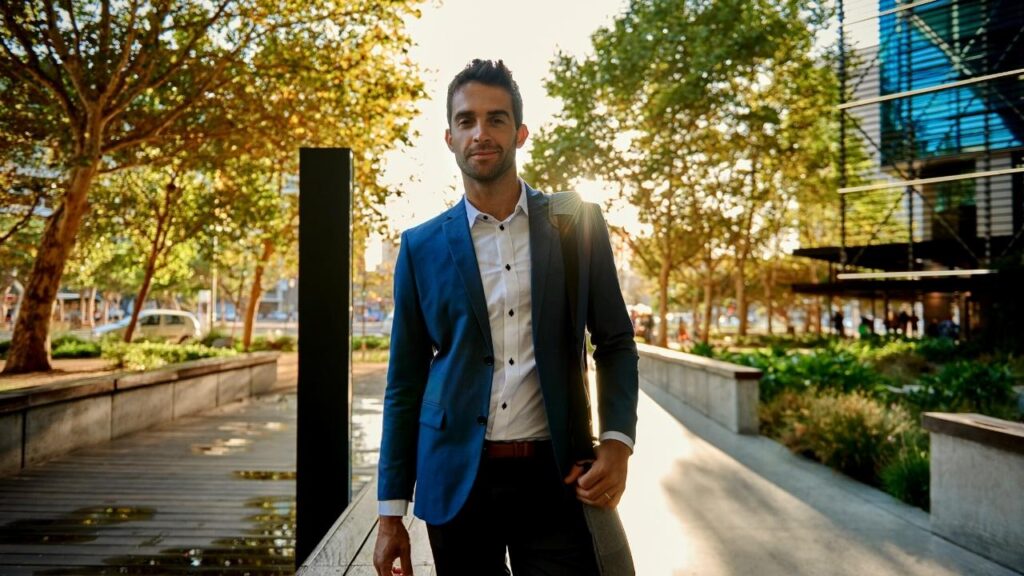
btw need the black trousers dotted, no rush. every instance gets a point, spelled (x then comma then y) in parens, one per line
(522, 506)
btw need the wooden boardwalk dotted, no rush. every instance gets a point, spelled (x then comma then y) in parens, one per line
(211, 494)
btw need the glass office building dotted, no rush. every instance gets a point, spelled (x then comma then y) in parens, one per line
(932, 155)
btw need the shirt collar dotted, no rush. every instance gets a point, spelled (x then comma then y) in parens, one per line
(472, 213)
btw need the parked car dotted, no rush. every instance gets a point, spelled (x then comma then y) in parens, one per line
(156, 324)
(277, 316)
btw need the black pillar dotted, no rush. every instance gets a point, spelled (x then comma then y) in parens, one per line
(324, 474)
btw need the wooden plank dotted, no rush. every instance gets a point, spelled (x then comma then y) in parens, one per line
(349, 533)
(199, 504)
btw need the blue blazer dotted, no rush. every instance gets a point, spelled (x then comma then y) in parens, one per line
(439, 377)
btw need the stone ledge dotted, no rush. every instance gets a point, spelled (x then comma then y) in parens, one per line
(706, 364)
(979, 428)
(727, 393)
(41, 422)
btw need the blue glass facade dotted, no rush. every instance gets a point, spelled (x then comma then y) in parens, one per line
(941, 43)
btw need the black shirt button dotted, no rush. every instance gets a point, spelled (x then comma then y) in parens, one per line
(502, 226)
(481, 420)
(508, 267)
(489, 360)
(511, 361)
(511, 312)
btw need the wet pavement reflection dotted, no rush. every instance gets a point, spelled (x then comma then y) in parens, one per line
(221, 495)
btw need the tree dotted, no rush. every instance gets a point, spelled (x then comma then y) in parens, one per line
(686, 106)
(108, 86)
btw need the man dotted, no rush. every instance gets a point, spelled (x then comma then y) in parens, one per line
(483, 354)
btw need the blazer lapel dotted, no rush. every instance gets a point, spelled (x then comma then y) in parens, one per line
(543, 237)
(460, 244)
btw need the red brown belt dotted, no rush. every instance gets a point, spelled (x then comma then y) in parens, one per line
(524, 449)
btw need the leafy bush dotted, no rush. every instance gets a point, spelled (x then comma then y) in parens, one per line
(218, 338)
(968, 386)
(907, 475)
(703, 349)
(833, 369)
(372, 342)
(149, 355)
(80, 349)
(779, 416)
(939, 349)
(283, 343)
(853, 433)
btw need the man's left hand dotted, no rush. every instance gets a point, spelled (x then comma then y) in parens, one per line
(605, 482)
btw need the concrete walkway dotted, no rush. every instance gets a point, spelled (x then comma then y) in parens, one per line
(702, 500)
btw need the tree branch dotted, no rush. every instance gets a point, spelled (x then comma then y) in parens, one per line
(176, 63)
(24, 219)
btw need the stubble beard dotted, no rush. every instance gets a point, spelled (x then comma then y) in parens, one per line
(506, 162)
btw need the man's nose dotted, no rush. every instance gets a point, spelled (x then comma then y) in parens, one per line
(480, 132)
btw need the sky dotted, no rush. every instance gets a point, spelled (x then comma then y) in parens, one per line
(526, 35)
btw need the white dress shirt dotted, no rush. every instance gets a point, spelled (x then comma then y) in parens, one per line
(503, 257)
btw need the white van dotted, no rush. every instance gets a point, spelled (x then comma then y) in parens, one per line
(156, 324)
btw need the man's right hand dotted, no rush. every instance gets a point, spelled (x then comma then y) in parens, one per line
(392, 543)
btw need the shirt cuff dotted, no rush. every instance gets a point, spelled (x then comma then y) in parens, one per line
(393, 507)
(612, 435)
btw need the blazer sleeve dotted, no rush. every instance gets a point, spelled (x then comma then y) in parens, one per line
(611, 332)
(408, 368)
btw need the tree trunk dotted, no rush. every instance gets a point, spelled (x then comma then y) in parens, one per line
(90, 313)
(709, 288)
(768, 297)
(663, 307)
(30, 345)
(256, 292)
(742, 306)
(140, 299)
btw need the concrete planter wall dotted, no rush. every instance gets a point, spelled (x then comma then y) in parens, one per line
(39, 423)
(977, 472)
(726, 393)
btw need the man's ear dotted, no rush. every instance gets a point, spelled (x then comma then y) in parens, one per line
(521, 135)
(448, 139)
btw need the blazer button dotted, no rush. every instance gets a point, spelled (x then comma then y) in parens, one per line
(489, 360)
(481, 420)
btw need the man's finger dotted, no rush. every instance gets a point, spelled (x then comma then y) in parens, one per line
(574, 474)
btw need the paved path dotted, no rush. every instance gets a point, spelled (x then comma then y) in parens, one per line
(213, 493)
(702, 500)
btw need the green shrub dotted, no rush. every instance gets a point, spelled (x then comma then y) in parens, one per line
(215, 337)
(76, 350)
(372, 342)
(780, 416)
(968, 386)
(907, 475)
(283, 343)
(703, 349)
(939, 349)
(852, 433)
(149, 355)
(833, 369)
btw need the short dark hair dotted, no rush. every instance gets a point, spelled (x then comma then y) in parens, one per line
(490, 73)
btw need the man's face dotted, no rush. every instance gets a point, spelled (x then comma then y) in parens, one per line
(483, 134)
